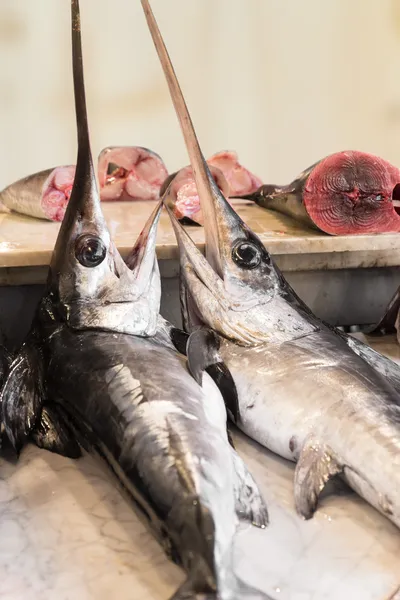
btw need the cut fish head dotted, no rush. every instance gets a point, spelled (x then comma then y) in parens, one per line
(89, 282)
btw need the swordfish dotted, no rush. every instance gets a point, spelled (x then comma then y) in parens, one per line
(100, 356)
(299, 389)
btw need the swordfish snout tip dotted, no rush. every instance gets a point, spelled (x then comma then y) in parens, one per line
(145, 245)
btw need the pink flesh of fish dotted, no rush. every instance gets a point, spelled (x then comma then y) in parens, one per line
(138, 176)
(57, 192)
(44, 195)
(241, 181)
(184, 197)
(231, 177)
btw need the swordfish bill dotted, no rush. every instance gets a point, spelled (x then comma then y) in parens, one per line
(302, 391)
(99, 359)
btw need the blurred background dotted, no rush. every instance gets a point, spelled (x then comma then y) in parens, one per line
(282, 83)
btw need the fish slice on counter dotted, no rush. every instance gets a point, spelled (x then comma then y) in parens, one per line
(125, 173)
(182, 196)
(301, 390)
(130, 173)
(230, 176)
(43, 195)
(99, 360)
(345, 193)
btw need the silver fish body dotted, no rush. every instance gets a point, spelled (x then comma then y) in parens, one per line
(164, 436)
(312, 392)
(299, 388)
(285, 199)
(43, 195)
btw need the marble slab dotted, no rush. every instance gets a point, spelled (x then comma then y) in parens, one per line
(68, 532)
(28, 242)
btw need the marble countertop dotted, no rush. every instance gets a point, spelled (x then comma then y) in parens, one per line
(28, 243)
(68, 532)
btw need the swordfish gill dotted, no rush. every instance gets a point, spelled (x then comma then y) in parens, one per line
(99, 356)
(299, 389)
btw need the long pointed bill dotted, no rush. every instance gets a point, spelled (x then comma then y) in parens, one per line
(84, 204)
(220, 219)
(142, 258)
(89, 283)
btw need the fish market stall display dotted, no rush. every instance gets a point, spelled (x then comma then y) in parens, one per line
(43, 195)
(124, 173)
(253, 455)
(130, 173)
(345, 193)
(127, 173)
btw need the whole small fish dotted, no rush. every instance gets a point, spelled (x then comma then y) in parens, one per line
(298, 387)
(231, 177)
(346, 193)
(100, 366)
(125, 173)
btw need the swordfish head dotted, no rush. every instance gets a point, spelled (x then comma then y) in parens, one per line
(89, 284)
(236, 290)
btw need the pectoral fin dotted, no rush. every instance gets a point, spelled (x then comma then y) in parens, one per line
(389, 320)
(191, 589)
(380, 363)
(202, 353)
(250, 504)
(54, 434)
(22, 395)
(316, 466)
(179, 339)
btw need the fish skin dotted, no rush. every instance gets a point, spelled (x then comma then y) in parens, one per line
(147, 416)
(302, 392)
(100, 354)
(294, 386)
(285, 199)
(52, 432)
(45, 195)
(32, 195)
(348, 192)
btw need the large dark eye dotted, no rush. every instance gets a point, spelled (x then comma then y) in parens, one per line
(90, 250)
(246, 255)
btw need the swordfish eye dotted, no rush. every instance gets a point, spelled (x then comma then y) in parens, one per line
(246, 254)
(90, 250)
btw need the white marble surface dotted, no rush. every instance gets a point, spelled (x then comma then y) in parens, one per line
(27, 242)
(67, 532)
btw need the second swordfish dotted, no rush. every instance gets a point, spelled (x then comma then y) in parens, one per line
(299, 389)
